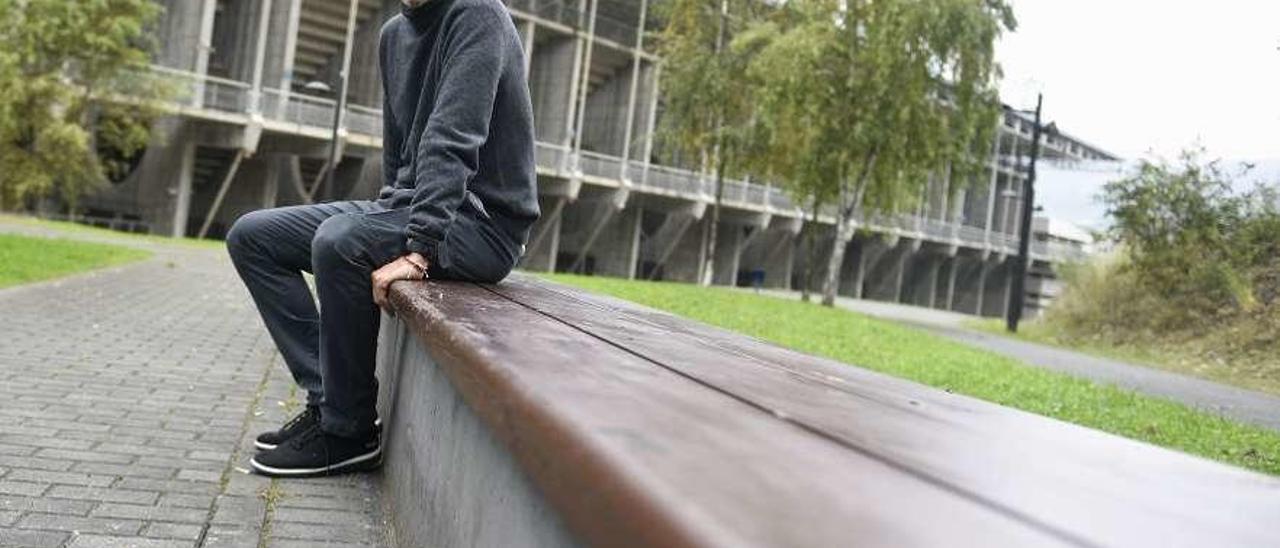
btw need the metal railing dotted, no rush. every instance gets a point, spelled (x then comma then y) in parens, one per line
(600, 165)
(206, 92)
(229, 96)
(617, 31)
(551, 156)
(551, 10)
(362, 119)
(304, 110)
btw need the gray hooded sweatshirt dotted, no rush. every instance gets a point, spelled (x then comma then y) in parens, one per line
(458, 121)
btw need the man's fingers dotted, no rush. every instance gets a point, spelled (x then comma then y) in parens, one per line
(382, 278)
(379, 291)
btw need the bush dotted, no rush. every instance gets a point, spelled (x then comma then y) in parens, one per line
(1195, 274)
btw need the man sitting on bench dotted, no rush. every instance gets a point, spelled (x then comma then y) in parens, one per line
(458, 199)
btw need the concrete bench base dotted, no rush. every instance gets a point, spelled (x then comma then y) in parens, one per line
(531, 414)
(451, 482)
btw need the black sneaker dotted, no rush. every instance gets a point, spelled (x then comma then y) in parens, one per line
(304, 420)
(316, 453)
(311, 415)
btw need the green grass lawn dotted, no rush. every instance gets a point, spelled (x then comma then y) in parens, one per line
(25, 259)
(73, 229)
(922, 357)
(1185, 358)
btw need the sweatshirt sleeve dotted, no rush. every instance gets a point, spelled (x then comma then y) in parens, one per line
(390, 137)
(448, 155)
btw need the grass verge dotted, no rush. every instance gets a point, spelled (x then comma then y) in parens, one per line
(25, 259)
(1185, 358)
(922, 357)
(72, 229)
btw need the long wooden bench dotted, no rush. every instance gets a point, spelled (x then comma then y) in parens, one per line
(531, 414)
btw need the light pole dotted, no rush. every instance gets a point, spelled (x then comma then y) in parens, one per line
(340, 102)
(1017, 301)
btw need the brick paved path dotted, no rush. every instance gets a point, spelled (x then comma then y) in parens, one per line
(129, 399)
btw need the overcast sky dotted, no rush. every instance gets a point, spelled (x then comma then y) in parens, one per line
(1137, 77)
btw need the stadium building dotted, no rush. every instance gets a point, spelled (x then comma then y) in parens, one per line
(253, 122)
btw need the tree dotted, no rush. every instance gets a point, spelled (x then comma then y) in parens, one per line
(862, 100)
(74, 102)
(708, 111)
(1191, 238)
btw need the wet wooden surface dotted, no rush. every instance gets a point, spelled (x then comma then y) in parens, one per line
(643, 429)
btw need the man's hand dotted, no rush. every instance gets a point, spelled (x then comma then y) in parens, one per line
(409, 267)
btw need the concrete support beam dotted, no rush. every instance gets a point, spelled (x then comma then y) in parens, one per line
(953, 271)
(544, 247)
(182, 197)
(549, 223)
(931, 278)
(780, 260)
(669, 235)
(900, 274)
(636, 231)
(733, 240)
(605, 212)
(222, 193)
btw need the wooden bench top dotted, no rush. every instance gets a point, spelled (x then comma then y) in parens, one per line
(644, 429)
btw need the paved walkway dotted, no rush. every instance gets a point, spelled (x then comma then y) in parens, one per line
(129, 398)
(1245, 405)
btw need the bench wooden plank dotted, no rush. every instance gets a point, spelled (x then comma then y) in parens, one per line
(1087, 485)
(633, 454)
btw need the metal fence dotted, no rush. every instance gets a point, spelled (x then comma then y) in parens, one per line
(229, 96)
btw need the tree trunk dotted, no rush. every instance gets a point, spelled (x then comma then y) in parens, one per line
(709, 268)
(831, 280)
(831, 283)
(807, 257)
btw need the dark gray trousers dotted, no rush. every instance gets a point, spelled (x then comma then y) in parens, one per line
(331, 351)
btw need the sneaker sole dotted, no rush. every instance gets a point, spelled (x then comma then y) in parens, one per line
(367, 461)
(261, 446)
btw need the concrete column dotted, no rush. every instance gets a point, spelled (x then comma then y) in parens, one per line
(952, 272)
(633, 94)
(869, 254)
(995, 174)
(780, 261)
(633, 251)
(584, 75)
(931, 278)
(185, 32)
(729, 254)
(281, 49)
(601, 211)
(552, 93)
(544, 246)
(605, 116)
(182, 196)
(1007, 291)
(651, 118)
(279, 169)
(529, 37)
(900, 274)
(615, 251)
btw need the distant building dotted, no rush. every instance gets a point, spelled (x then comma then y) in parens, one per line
(252, 130)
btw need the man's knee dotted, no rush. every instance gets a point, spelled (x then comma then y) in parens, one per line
(336, 242)
(246, 232)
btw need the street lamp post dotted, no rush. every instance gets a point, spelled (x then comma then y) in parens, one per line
(340, 102)
(1017, 301)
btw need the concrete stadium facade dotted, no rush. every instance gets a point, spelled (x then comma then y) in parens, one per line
(251, 128)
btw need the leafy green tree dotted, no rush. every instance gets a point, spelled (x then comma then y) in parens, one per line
(74, 99)
(862, 100)
(1194, 240)
(708, 109)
